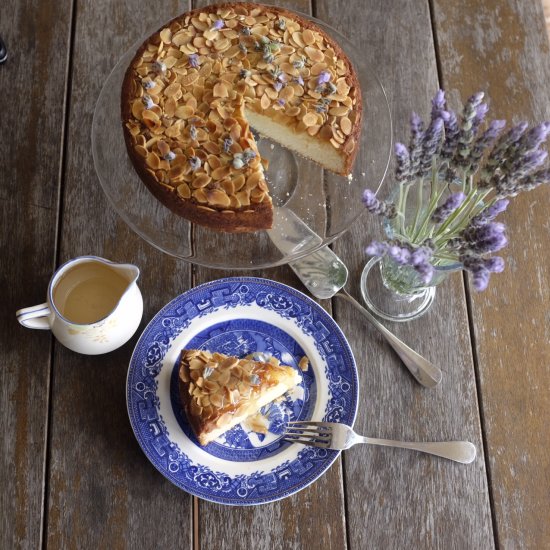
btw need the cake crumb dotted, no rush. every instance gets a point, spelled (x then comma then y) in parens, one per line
(304, 363)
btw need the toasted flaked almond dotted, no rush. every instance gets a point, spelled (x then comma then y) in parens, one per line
(202, 180)
(220, 89)
(253, 180)
(308, 37)
(345, 124)
(199, 195)
(185, 111)
(265, 102)
(172, 89)
(338, 111)
(152, 160)
(189, 78)
(212, 147)
(309, 119)
(316, 55)
(163, 147)
(141, 151)
(221, 172)
(349, 146)
(170, 106)
(243, 197)
(217, 197)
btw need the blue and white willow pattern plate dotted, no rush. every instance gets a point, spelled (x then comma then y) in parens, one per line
(241, 316)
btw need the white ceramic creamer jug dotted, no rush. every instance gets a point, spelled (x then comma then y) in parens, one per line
(93, 305)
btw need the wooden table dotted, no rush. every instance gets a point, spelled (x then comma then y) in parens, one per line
(71, 472)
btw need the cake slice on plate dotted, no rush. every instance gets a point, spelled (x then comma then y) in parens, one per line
(219, 391)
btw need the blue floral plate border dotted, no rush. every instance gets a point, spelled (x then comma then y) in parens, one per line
(241, 315)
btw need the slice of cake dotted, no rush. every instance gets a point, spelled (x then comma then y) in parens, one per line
(194, 88)
(218, 391)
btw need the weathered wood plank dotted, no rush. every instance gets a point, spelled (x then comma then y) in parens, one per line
(103, 492)
(287, 523)
(510, 319)
(32, 86)
(398, 499)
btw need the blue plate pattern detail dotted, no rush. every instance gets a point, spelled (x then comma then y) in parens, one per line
(235, 315)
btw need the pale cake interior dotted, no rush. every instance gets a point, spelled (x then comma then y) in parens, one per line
(263, 400)
(312, 148)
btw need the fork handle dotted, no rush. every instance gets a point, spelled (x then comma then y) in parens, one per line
(459, 451)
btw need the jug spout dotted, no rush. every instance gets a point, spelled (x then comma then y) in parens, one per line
(129, 271)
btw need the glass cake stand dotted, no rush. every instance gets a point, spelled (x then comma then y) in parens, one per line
(320, 204)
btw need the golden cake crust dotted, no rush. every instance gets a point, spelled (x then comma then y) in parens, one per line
(219, 204)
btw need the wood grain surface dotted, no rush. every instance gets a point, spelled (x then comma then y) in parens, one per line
(103, 492)
(287, 522)
(71, 471)
(436, 503)
(511, 319)
(32, 88)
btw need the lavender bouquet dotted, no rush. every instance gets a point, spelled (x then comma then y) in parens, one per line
(453, 180)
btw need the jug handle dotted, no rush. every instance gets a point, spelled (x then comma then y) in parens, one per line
(34, 317)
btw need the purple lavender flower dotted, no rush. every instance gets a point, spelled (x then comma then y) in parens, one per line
(495, 264)
(375, 206)
(426, 272)
(532, 181)
(489, 176)
(148, 102)
(533, 138)
(421, 256)
(193, 59)
(192, 132)
(415, 144)
(323, 78)
(507, 184)
(399, 254)
(376, 248)
(430, 146)
(484, 141)
(195, 163)
(403, 166)
(467, 129)
(479, 117)
(370, 201)
(281, 102)
(484, 239)
(490, 213)
(299, 80)
(441, 213)
(480, 278)
(481, 269)
(227, 143)
(219, 24)
(278, 86)
(438, 104)
(451, 135)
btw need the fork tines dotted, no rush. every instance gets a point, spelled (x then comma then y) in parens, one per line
(315, 435)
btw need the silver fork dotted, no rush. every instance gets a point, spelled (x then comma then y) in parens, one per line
(331, 435)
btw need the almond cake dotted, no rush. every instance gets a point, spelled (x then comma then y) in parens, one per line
(196, 86)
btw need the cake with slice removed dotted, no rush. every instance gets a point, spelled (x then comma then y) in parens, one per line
(218, 391)
(195, 87)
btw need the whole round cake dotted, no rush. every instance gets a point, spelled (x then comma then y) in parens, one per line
(195, 87)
